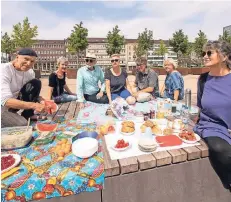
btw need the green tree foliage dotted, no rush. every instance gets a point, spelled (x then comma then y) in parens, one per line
(199, 43)
(162, 49)
(225, 37)
(179, 42)
(145, 43)
(23, 34)
(7, 45)
(77, 41)
(115, 41)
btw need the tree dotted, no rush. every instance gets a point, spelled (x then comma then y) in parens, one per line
(77, 41)
(115, 41)
(179, 42)
(225, 37)
(23, 34)
(7, 45)
(145, 42)
(162, 49)
(200, 41)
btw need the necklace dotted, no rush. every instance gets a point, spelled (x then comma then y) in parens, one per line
(116, 74)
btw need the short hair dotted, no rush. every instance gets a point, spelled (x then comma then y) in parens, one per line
(221, 47)
(142, 60)
(115, 55)
(61, 59)
(173, 62)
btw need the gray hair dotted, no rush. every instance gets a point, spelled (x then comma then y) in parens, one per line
(221, 47)
(173, 62)
(61, 59)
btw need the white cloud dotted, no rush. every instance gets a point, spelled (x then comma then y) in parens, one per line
(164, 18)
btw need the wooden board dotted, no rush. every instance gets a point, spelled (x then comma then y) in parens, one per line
(146, 161)
(162, 158)
(71, 110)
(62, 110)
(178, 155)
(128, 165)
(192, 153)
(111, 166)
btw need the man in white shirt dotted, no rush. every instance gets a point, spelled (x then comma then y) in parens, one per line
(20, 90)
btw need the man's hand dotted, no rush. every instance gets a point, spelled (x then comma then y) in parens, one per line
(81, 105)
(99, 95)
(40, 108)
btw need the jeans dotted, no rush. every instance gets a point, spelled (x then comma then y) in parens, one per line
(124, 94)
(28, 93)
(92, 98)
(220, 157)
(64, 97)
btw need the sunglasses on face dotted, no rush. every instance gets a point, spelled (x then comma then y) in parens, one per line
(90, 60)
(139, 64)
(208, 53)
(116, 60)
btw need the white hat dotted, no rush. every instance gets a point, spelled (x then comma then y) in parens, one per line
(91, 55)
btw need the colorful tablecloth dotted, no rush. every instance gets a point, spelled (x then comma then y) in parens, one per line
(43, 175)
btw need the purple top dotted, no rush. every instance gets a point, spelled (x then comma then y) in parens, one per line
(215, 116)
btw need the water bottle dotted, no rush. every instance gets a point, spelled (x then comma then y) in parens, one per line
(185, 115)
(188, 95)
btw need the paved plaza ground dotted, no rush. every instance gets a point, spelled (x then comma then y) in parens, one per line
(190, 81)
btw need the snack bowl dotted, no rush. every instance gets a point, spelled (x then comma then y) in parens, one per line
(85, 147)
(114, 146)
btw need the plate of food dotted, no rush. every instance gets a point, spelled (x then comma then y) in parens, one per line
(121, 145)
(189, 137)
(155, 127)
(128, 128)
(9, 161)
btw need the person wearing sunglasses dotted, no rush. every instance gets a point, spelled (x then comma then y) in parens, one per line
(146, 83)
(214, 101)
(58, 89)
(117, 84)
(88, 78)
(173, 87)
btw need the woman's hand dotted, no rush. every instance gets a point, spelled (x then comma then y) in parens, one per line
(81, 105)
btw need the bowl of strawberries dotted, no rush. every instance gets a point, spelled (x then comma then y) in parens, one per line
(121, 145)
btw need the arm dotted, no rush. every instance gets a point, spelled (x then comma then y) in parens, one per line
(176, 95)
(162, 90)
(67, 89)
(102, 80)
(108, 90)
(50, 90)
(147, 90)
(129, 88)
(80, 87)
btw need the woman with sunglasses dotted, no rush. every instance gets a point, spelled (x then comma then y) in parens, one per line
(58, 89)
(173, 87)
(214, 100)
(117, 84)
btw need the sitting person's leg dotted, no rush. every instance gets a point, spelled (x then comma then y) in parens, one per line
(10, 119)
(125, 94)
(93, 98)
(114, 96)
(220, 156)
(65, 97)
(143, 97)
(30, 93)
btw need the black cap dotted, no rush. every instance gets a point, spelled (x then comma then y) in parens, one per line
(27, 51)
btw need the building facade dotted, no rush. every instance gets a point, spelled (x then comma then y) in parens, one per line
(130, 53)
(154, 59)
(227, 29)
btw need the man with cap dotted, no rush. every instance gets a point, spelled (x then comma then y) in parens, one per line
(20, 90)
(146, 82)
(88, 78)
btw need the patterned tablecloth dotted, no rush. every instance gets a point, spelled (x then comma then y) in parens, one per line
(43, 175)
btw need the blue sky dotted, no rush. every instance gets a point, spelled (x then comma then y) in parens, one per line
(55, 20)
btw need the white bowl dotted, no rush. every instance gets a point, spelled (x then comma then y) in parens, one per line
(85, 147)
(198, 138)
(17, 161)
(127, 134)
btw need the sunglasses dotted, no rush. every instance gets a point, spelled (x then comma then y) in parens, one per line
(90, 60)
(208, 53)
(116, 60)
(139, 64)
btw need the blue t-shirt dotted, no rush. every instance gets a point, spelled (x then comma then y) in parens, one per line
(215, 104)
(174, 81)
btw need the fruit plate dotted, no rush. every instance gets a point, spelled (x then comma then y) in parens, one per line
(127, 134)
(198, 138)
(122, 149)
(17, 161)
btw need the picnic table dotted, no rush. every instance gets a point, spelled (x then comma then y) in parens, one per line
(176, 175)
